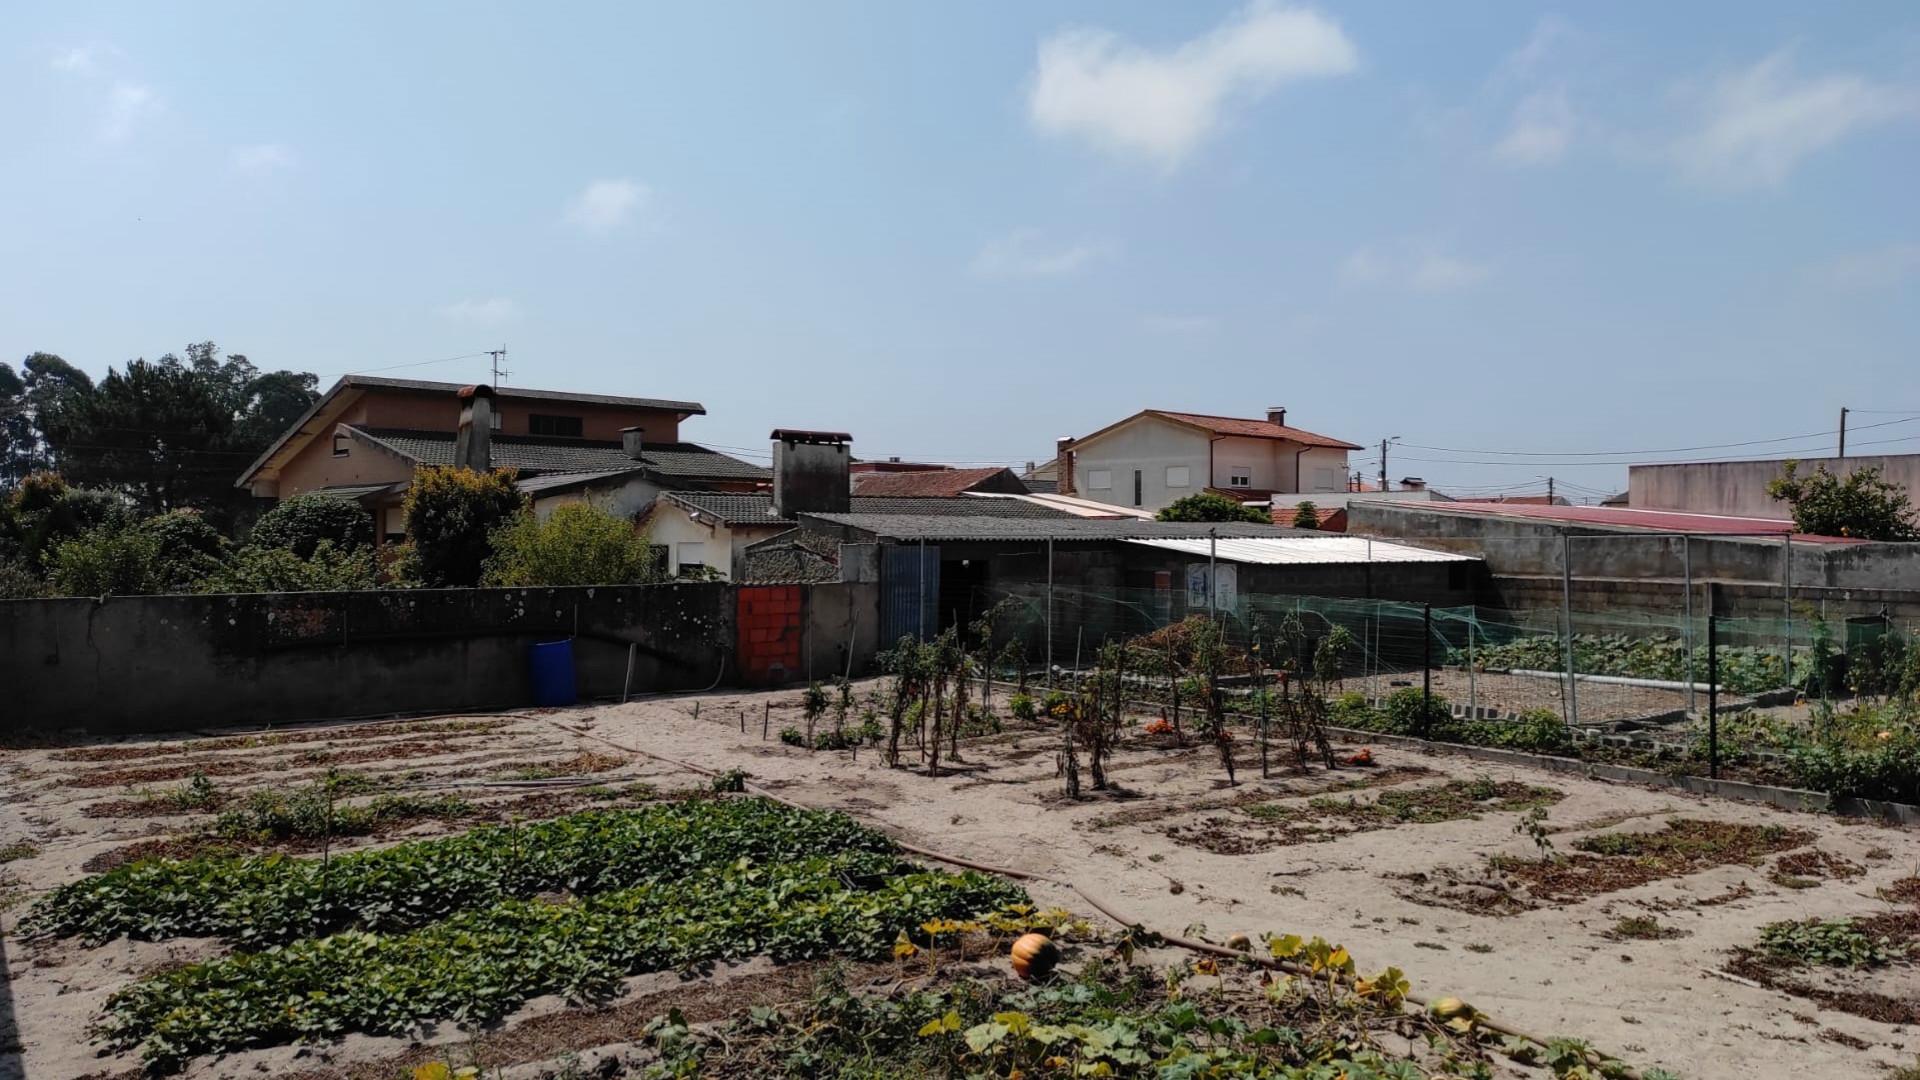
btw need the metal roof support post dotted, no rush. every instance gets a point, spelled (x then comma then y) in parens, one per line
(920, 579)
(1213, 580)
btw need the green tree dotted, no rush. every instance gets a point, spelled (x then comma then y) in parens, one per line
(172, 432)
(44, 510)
(577, 545)
(191, 549)
(302, 522)
(108, 562)
(451, 514)
(17, 440)
(1862, 504)
(1305, 516)
(1207, 506)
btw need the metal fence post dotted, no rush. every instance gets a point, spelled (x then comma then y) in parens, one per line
(1049, 612)
(1713, 696)
(1572, 711)
(1473, 702)
(1786, 605)
(1426, 669)
(1686, 636)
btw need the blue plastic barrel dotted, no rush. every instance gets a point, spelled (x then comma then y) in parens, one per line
(551, 665)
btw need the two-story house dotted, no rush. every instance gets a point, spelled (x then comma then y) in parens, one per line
(366, 435)
(1157, 456)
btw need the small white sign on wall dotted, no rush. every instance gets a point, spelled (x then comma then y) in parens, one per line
(1226, 587)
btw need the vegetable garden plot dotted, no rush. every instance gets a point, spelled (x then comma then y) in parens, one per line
(469, 927)
(1606, 863)
(1864, 965)
(1328, 818)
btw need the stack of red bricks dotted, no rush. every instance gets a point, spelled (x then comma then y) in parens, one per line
(768, 628)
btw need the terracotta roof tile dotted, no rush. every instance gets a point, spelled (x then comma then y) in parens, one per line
(1255, 429)
(933, 484)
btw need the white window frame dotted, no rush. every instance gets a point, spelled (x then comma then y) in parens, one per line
(1239, 476)
(1179, 476)
(1099, 479)
(680, 554)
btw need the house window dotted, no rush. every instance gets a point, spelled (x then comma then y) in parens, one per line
(565, 427)
(1240, 476)
(689, 557)
(1176, 476)
(339, 445)
(1100, 480)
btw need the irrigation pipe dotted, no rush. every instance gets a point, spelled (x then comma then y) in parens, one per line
(1179, 941)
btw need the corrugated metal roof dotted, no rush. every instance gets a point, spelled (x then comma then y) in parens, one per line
(913, 527)
(532, 454)
(1307, 550)
(355, 491)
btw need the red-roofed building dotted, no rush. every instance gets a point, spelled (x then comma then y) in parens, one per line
(1156, 456)
(937, 483)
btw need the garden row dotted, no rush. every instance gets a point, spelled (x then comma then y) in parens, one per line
(255, 900)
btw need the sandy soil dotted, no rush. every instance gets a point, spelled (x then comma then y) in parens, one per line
(1551, 969)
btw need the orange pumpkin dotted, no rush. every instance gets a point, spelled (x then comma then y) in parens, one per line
(1034, 955)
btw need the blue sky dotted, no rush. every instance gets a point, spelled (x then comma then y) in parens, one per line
(961, 230)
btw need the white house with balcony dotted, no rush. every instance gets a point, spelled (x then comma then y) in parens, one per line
(1157, 456)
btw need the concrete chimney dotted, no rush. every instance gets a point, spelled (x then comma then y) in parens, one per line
(473, 444)
(1277, 414)
(1063, 464)
(811, 473)
(633, 441)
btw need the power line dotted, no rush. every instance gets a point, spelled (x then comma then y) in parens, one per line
(1534, 464)
(1671, 450)
(397, 367)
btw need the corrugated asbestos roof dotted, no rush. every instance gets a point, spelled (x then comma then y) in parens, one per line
(757, 509)
(531, 454)
(931, 528)
(1308, 550)
(1627, 517)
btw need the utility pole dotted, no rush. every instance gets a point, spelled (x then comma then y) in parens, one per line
(499, 357)
(1550, 501)
(1383, 463)
(1843, 431)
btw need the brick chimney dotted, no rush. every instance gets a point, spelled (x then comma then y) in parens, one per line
(473, 445)
(811, 472)
(633, 441)
(1063, 464)
(1277, 414)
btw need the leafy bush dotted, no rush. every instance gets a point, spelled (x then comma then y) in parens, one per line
(1207, 506)
(108, 562)
(18, 581)
(1863, 504)
(1023, 708)
(309, 813)
(1537, 731)
(1743, 668)
(275, 569)
(577, 545)
(304, 522)
(256, 900)
(480, 965)
(1886, 768)
(451, 514)
(1412, 712)
(1352, 709)
(190, 549)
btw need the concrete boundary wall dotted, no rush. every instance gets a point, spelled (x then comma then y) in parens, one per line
(1523, 547)
(164, 663)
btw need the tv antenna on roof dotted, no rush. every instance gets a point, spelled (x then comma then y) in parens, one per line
(499, 355)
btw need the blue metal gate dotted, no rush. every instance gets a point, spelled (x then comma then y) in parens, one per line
(910, 592)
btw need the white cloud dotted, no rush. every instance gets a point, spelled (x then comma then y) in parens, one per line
(493, 311)
(128, 106)
(1542, 128)
(83, 59)
(1758, 124)
(1426, 271)
(1026, 253)
(1137, 102)
(1524, 63)
(1876, 269)
(260, 159)
(606, 205)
